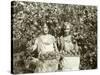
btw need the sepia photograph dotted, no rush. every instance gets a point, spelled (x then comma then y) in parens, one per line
(52, 37)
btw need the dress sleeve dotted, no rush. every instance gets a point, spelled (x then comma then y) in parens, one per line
(61, 42)
(55, 44)
(35, 44)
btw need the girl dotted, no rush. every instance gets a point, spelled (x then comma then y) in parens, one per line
(69, 50)
(47, 52)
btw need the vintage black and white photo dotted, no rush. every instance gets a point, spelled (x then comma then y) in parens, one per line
(52, 37)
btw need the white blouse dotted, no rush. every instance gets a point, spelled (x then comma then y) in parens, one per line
(45, 43)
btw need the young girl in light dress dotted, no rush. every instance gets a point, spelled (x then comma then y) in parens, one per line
(47, 52)
(69, 50)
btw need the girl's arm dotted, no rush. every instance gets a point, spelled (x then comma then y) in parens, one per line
(55, 46)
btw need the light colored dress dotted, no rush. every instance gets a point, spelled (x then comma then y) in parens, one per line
(70, 54)
(47, 54)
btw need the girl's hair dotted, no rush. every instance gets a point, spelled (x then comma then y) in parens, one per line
(45, 24)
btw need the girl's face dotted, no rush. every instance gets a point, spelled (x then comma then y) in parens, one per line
(67, 29)
(45, 29)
